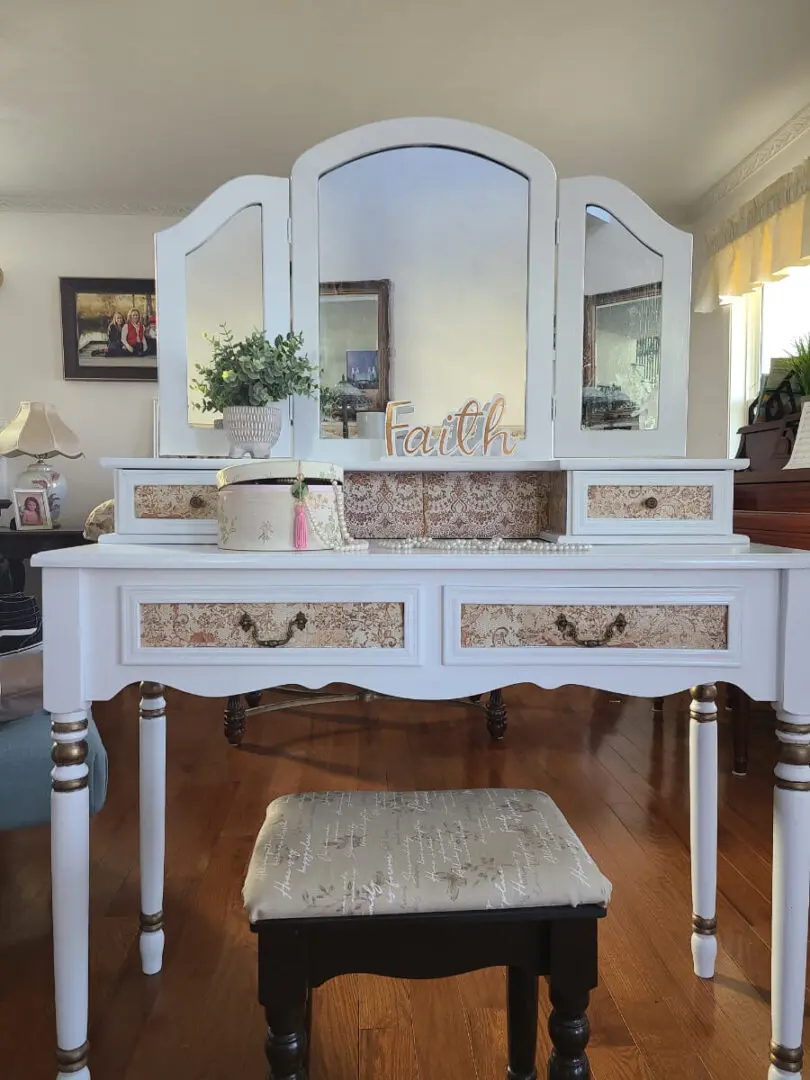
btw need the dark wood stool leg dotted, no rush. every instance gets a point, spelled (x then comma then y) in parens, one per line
(234, 720)
(286, 1045)
(254, 699)
(737, 706)
(496, 715)
(658, 707)
(569, 1030)
(521, 1020)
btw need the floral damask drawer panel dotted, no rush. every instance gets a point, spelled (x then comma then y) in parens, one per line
(486, 504)
(373, 625)
(175, 501)
(384, 506)
(668, 502)
(638, 626)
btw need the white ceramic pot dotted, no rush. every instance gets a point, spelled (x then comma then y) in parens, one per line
(252, 430)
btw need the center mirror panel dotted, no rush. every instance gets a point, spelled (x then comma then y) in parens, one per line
(423, 267)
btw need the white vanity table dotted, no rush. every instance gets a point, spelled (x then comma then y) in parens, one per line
(653, 593)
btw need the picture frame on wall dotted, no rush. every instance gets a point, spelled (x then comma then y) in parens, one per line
(109, 328)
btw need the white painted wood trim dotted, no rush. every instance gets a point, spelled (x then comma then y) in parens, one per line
(453, 654)
(133, 652)
(719, 525)
(703, 828)
(453, 134)
(675, 246)
(271, 193)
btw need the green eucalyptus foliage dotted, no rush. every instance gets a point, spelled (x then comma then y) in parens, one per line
(255, 371)
(800, 362)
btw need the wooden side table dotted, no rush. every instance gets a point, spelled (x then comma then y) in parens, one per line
(17, 545)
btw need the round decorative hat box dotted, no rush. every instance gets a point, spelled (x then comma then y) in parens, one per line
(281, 504)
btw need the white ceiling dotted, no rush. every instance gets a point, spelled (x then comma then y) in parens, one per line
(153, 104)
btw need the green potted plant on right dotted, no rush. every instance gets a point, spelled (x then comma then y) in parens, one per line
(799, 364)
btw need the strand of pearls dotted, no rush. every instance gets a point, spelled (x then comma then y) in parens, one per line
(496, 544)
(348, 541)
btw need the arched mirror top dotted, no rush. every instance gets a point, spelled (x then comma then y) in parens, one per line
(455, 224)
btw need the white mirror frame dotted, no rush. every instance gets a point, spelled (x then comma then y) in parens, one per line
(675, 247)
(177, 438)
(448, 134)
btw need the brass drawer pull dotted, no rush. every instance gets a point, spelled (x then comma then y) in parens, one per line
(298, 622)
(651, 503)
(569, 632)
(196, 502)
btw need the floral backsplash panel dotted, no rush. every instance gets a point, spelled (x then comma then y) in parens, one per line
(376, 625)
(175, 501)
(673, 502)
(648, 626)
(453, 505)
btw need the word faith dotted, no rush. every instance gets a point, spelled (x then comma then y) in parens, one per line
(471, 431)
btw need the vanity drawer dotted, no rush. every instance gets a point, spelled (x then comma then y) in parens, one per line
(283, 626)
(647, 504)
(589, 625)
(180, 504)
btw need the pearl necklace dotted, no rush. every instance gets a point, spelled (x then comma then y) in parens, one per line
(484, 547)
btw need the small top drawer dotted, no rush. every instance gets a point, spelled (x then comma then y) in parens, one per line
(652, 503)
(169, 504)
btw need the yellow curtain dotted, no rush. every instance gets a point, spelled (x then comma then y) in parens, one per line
(765, 238)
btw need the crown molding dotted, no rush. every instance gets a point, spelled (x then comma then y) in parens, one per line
(27, 205)
(780, 140)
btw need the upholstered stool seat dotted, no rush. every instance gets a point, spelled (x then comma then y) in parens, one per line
(426, 884)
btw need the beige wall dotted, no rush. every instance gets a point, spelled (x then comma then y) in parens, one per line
(110, 418)
(709, 349)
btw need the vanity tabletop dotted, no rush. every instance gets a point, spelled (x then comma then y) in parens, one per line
(115, 556)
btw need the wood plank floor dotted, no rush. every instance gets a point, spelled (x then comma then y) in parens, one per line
(620, 777)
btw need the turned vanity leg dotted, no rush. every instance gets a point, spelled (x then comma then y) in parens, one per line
(152, 823)
(703, 826)
(234, 720)
(791, 880)
(737, 708)
(70, 876)
(496, 715)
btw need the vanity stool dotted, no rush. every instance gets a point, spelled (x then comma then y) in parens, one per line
(422, 885)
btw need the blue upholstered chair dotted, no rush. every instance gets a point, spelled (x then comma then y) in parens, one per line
(25, 746)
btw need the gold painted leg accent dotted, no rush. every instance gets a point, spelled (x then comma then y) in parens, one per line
(151, 923)
(705, 927)
(788, 1060)
(72, 1061)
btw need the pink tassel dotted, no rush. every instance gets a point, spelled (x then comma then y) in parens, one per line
(300, 527)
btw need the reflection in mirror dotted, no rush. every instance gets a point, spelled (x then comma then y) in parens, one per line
(430, 250)
(621, 373)
(223, 285)
(354, 356)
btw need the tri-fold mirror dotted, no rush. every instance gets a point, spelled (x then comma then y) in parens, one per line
(424, 270)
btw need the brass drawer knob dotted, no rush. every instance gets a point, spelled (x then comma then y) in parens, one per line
(651, 503)
(196, 502)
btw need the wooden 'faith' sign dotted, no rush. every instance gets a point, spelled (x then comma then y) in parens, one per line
(470, 431)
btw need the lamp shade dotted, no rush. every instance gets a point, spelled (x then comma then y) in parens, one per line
(38, 431)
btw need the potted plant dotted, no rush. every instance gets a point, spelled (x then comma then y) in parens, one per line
(799, 364)
(247, 381)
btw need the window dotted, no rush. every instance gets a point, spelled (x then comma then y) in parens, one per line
(764, 325)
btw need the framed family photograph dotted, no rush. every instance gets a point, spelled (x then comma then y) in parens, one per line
(109, 328)
(31, 510)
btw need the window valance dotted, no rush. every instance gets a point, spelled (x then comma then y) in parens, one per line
(766, 237)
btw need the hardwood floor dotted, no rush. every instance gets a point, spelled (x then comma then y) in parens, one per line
(619, 776)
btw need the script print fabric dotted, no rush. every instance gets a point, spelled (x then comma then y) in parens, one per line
(383, 853)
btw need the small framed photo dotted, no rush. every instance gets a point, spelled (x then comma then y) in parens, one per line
(109, 328)
(31, 510)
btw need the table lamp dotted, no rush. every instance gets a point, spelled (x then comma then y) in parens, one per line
(38, 432)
